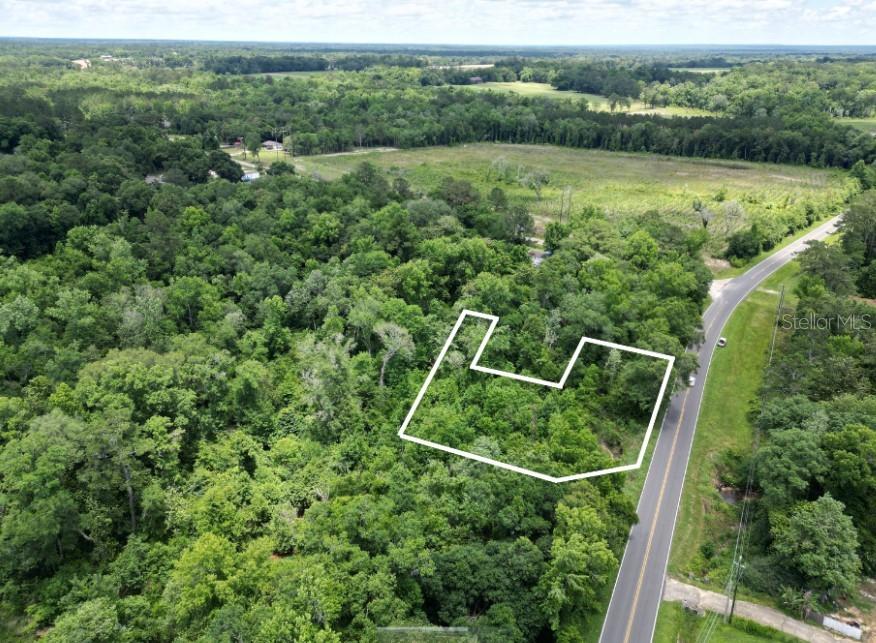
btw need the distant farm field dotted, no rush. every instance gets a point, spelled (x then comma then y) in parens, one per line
(594, 101)
(702, 70)
(540, 90)
(864, 124)
(296, 74)
(734, 193)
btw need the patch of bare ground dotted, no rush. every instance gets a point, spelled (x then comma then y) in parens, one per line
(715, 264)
(864, 300)
(864, 612)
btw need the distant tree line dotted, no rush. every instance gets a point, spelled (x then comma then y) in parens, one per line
(264, 64)
(447, 116)
(597, 77)
(776, 88)
(243, 64)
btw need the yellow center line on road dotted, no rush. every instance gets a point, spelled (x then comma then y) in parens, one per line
(654, 521)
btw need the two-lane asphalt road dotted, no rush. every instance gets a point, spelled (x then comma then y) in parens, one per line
(632, 612)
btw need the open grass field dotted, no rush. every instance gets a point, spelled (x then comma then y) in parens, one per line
(297, 74)
(863, 124)
(704, 517)
(535, 90)
(248, 160)
(675, 625)
(594, 101)
(702, 70)
(736, 192)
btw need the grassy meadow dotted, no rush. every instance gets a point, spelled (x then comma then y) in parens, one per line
(594, 101)
(736, 192)
(298, 74)
(863, 124)
(702, 70)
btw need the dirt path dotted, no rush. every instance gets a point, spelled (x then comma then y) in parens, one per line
(696, 598)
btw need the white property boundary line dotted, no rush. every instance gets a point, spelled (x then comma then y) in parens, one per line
(494, 320)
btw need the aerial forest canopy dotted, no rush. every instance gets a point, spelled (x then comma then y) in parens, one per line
(201, 378)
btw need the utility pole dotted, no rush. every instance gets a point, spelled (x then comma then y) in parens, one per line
(776, 325)
(741, 567)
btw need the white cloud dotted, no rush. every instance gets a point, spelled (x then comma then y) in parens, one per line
(452, 21)
(861, 12)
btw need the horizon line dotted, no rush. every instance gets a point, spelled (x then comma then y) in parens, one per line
(438, 44)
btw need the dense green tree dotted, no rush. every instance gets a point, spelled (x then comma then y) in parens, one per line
(830, 264)
(744, 244)
(790, 465)
(94, 621)
(851, 477)
(820, 543)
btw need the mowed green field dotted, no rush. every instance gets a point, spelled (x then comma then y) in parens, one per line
(594, 101)
(620, 183)
(539, 90)
(297, 74)
(702, 70)
(863, 124)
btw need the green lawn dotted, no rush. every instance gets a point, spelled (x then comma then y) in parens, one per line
(266, 158)
(296, 74)
(702, 70)
(668, 622)
(620, 183)
(594, 101)
(540, 90)
(602, 104)
(732, 388)
(863, 124)
(675, 625)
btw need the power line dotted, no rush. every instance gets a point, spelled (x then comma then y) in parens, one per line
(743, 531)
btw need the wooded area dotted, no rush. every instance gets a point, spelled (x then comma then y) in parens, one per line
(201, 379)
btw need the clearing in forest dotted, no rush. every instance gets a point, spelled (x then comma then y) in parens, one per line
(724, 196)
(596, 102)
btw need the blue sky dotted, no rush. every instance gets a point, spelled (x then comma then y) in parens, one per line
(517, 22)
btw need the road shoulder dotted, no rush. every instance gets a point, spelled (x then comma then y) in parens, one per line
(696, 599)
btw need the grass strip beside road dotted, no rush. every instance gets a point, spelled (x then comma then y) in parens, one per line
(677, 625)
(752, 319)
(705, 533)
